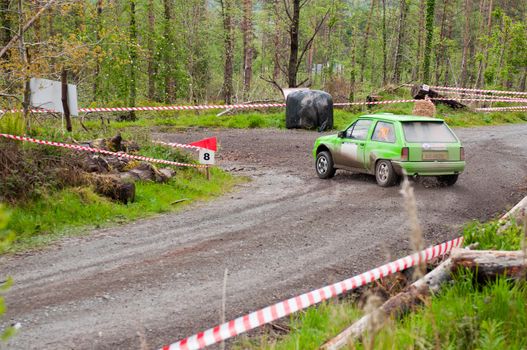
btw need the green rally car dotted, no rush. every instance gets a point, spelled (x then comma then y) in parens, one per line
(388, 146)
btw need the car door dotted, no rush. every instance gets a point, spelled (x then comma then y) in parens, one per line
(350, 150)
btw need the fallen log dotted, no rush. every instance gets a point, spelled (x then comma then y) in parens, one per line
(517, 213)
(419, 92)
(486, 265)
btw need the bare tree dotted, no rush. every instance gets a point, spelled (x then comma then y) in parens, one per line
(295, 59)
(366, 40)
(151, 69)
(403, 11)
(247, 28)
(226, 11)
(467, 39)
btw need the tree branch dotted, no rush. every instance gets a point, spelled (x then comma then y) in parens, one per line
(286, 5)
(310, 41)
(26, 27)
(272, 81)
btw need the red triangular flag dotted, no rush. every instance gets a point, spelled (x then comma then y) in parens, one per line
(209, 144)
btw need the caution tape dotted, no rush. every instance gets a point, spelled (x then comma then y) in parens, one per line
(178, 145)
(97, 150)
(270, 105)
(498, 92)
(502, 109)
(284, 308)
(181, 107)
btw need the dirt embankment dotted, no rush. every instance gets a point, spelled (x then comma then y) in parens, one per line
(284, 233)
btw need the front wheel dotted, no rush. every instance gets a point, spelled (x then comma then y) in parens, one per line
(385, 174)
(447, 180)
(324, 165)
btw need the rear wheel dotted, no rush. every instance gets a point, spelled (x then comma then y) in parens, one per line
(385, 174)
(447, 180)
(324, 165)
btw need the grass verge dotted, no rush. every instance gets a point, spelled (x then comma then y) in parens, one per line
(463, 315)
(72, 211)
(273, 118)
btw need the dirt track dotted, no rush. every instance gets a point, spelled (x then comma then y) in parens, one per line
(284, 233)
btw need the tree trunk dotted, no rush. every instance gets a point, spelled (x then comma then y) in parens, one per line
(366, 40)
(227, 8)
(400, 40)
(466, 43)
(384, 53)
(276, 42)
(430, 7)
(5, 23)
(151, 69)
(441, 47)
(480, 81)
(294, 27)
(170, 82)
(247, 27)
(98, 28)
(420, 30)
(133, 58)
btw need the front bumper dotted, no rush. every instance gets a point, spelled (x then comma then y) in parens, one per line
(428, 168)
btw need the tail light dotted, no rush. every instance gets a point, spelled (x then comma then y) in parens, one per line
(404, 154)
(461, 153)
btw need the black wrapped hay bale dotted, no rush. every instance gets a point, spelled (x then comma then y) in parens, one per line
(309, 109)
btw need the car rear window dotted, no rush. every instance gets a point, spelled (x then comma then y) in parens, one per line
(427, 132)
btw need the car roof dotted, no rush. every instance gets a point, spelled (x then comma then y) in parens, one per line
(400, 118)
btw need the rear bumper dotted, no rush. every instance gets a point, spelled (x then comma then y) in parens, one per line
(428, 168)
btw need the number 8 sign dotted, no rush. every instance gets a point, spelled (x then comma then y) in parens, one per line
(206, 156)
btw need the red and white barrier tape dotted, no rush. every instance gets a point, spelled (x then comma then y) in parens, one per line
(270, 105)
(502, 109)
(181, 108)
(266, 315)
(178, 145)
(499, 92)
(97, 150)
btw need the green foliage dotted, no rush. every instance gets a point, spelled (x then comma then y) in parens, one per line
(487, 236)
(12, 123)
(309, 328)
(464, 315)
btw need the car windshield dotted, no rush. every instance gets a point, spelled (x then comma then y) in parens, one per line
(427, 132)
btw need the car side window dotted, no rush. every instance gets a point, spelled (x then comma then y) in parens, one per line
(384, 132)
(359, 131)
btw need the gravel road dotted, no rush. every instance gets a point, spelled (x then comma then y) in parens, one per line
(284, 233)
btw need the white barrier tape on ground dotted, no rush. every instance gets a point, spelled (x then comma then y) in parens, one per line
(498, 92)
(178, 145)
(502, 109)
(266, 315)
(97, 150)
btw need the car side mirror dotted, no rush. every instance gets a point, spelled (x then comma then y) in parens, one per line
(341, 134)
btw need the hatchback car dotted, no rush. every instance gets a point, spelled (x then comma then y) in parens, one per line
(388, 146)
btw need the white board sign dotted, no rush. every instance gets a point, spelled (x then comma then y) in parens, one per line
(206, 156)
(425, 87)
(47, 94)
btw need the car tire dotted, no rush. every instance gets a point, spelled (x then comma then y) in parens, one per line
(447, 180)
(324, 165)
(385, 174)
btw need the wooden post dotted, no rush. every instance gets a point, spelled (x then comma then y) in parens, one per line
(208, 172)
(65, 106)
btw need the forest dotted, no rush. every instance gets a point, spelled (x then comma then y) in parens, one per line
(139, 52)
